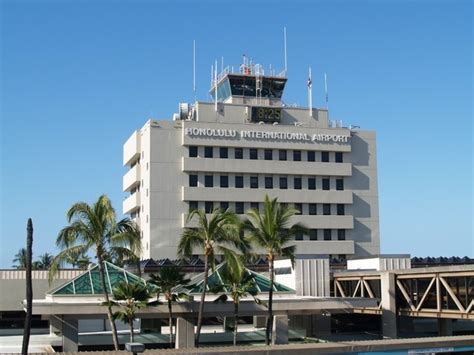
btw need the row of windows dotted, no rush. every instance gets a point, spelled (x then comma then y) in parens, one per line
(268, 182)
(268, 154)
(325, 209)
(323, 234)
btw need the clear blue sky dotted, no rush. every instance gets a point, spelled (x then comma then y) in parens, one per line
(78, 77)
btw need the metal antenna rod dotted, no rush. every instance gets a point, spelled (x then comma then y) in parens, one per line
(194, 69)
(284, 40)
(326, 90)
(215, 86)
(310, 93)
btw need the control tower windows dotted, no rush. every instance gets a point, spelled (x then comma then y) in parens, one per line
(238, 153)
(282, 154)
(297, 155)
(312, 183)
(268, 154)
(325, 157)
(193, 180)
(193, 151)
(297, 183)
(208, 206)
(253, 153)
(338, 157)
(326, 184)
(254, 182)
(239, 182)
(283, 183)
(223, 152)
(209, 181)
(208, 152)
(340, 184)
(269, 182)
(311, 156)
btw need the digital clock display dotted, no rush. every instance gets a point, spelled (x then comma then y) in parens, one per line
(266, 114)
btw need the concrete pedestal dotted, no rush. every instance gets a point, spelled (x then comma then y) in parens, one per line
(389, 307)
(184, 333)
(280, 330)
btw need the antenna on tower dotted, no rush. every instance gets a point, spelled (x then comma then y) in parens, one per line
(284, 41)
(310, 93)
(326, 90)
(194, 69)
(215, 86)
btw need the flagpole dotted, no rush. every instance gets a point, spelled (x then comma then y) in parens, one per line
(326, 90)
(215, 87)
(310, 94)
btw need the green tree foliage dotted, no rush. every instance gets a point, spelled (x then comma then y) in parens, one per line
(20, 258)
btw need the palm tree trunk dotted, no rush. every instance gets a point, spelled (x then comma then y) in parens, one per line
(29, 288)
(268, 331)
(106, 295)
(236, 320)
(170, 319)
(203, 298)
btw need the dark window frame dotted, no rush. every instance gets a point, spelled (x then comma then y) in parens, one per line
(193, 151)
(340, 184)
(325, 157)
(311, 183)
(282, 155)
(326, 209)
(339, 157)
(327, 234)
(208, 180)
(239, 185)
(268, 153)
(223, 152)
(238, 153)
(253, 154)
(254, 182)
(267, 180)
(224, 181)
(192, 182)
(312, 209)
(297, 155)
(311, 155)
(283, 186)
(297, 183)
(324, 181)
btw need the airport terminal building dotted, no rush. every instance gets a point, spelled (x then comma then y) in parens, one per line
(231, 152)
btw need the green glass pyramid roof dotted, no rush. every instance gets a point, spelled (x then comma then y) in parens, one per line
(262, 283)
(89, 283)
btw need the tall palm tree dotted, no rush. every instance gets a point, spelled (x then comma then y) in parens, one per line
(77, 259)
(218, 233)
(167, 279)
(130, 298)
(272, 231)
(238, 283)
(95, 227)
(45, 261)
(29, 288)
(20, 259)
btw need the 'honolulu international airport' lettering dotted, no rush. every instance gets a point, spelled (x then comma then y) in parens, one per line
(265, 135)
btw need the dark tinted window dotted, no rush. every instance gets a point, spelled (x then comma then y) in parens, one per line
(325, 157)
(283, 183)
(193, 180)
(193, 205)
(208, 206)
(253, 153)
(208, 152)
(339, 184)
(299, 236)
(268, 154)
(193, 151)
(340, 209)
(326, 184)
(209, 181)
(327, 234)
(224, 152)
(312, 183)
(239, 182)
(338, 157)
(297, 155)
(312, 208)
(311, 156)
(238, 153)
(224, 181)
(254, 205)
(282, 154)
(313, 234)
(224, 205)
(269, 182)
(254, 182)
(326, 209)
(341, 234)
(297, 183)
(299, 208)
(239, 207)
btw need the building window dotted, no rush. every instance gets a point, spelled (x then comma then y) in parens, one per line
(313, 234)
(238, 153)
(325, 157)
(224, 181)
(253, 153)
(297, 183)
(311, 155)
(209, 181)
(341, 234)
(193, 180)
(340, 184)
(239, 207)
(299, 235)
(312, 183)
(327, 234)
(239, 182)
(326, 209)
(208, 206)
(254, 182)
(297, 155)
(193, 151)
(326, 184)
(268, 154)
(208, 152)
(223, 152)
(340, 209)
(312, 209)
(193, 205)
(338, 157)
(282, 154)
(269, 182)
(283, 183)
(299, 208)
(254, 205)
(224, 206)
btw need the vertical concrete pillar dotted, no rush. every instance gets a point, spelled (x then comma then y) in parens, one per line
(389, 307)
(70, 335)
(184, 333)
(280, 329)
(445, 327)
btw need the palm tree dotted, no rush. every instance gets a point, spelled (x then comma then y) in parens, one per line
(238, 282)
(20, 259)
(272, 232)
(45, 261)
(166, 280)
(130, 298)
(77, 259)
(216, 234)
(29, 288)
(95, 227)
